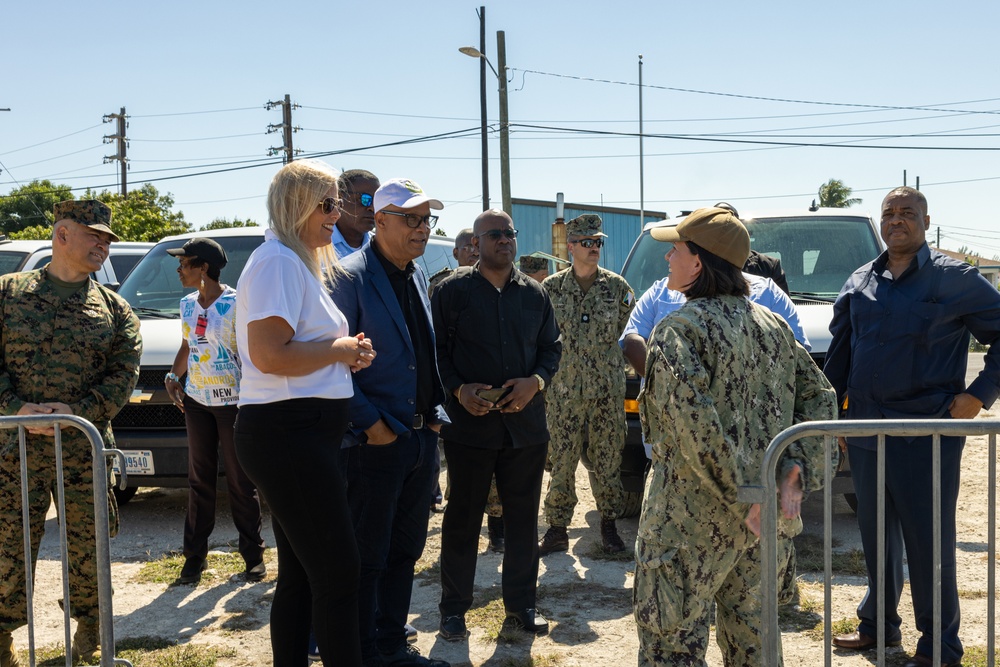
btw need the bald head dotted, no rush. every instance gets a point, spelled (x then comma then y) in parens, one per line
(494, 236)
(489, 217)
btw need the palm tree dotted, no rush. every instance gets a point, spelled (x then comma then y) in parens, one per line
(835, 194)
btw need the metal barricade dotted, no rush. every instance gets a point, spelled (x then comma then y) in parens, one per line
(101, 522)
(766, 495)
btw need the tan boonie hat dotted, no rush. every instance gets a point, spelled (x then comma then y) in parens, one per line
(529, 264)
(587, 224)
(714, 229)
(89, 212)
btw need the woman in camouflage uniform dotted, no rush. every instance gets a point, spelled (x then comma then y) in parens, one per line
(723, 377)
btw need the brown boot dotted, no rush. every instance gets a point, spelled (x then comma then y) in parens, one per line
(8, 655)
(87, 642)
(610, 539)
(555, 539)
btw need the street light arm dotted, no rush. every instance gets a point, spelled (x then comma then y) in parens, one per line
(473, 52)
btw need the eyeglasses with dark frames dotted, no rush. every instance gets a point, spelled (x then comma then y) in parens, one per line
(331, 204)
(590, 243)
(497, 234)
(414, 221)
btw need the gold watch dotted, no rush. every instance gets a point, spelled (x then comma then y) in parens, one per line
(541, 382)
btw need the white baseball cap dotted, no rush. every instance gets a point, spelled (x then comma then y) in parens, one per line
(404, 193)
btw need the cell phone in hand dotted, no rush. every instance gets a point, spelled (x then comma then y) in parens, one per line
(494, 395)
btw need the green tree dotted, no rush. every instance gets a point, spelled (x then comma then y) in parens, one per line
(33, 233)
(31, 205)
(142, 215)
(440, 232)
(835, 194)
(225, 223)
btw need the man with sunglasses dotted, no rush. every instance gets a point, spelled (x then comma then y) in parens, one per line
(498, 346)
(357, 217)
(592, 306)
(391, 442)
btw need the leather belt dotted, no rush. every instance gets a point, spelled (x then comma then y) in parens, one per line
(419, 422)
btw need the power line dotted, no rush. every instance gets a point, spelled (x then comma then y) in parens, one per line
(192, 113)
(49, 141)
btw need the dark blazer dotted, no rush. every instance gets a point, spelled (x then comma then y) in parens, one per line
(387, 389)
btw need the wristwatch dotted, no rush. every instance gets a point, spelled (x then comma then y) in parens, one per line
(171, 376)
(541, 382)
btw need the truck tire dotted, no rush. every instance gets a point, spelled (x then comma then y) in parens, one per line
(124, 495)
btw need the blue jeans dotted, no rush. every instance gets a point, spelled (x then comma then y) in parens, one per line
(389, 493)
(908, 524)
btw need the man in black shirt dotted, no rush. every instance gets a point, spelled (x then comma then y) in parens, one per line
(498, 346)
(391, 442)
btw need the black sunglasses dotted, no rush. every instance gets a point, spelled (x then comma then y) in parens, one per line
(590, 243)
(365, 199)
(496, 234)
(330, 204)
(414, 221)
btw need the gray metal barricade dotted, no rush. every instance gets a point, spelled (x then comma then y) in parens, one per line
(101, 521)
(766, 495)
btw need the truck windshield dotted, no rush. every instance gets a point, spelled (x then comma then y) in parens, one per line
(818, 253)
(153, 288)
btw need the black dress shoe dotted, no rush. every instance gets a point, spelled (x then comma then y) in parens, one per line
(256, 573)
(191, 572)
(452, 628)
(528, 620)
(921, 660)
(409, 656)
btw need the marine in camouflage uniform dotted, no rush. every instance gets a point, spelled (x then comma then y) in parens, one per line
(586, 399)
(80, 348)
(723, 376)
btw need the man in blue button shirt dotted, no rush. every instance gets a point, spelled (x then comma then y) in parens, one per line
(901, 328)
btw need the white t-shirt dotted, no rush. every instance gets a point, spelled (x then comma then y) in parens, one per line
(275, 283)
(213, 369)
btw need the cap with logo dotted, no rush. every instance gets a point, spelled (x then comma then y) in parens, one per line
(90, 212)
(206, 250)
(716, 230)
(403, 193)
(587, 224)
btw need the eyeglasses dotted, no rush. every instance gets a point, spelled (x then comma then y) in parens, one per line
(365, 199)
(414, 221)
(331, 204)
(590, 243)
(496, 234)
(469, 247)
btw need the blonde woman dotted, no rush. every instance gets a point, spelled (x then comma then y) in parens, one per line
(297, 364)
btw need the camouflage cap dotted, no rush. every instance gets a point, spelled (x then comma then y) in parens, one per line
(529, 264)
(89, 212)
(587, 224)
(716, 230)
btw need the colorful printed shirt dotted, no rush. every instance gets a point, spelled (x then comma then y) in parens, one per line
(213, 376)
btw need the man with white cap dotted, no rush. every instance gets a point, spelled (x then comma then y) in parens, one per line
(390, 447)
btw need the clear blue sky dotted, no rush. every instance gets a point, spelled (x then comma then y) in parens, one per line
(369, 73)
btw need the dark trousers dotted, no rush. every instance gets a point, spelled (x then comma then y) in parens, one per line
(908, 523)
(289, 449)
(210, 432)
(389, 491)
(519, 481)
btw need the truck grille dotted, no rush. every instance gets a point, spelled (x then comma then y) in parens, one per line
(149, 417)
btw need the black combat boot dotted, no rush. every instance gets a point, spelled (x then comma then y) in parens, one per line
(555, 539)
(610, 539)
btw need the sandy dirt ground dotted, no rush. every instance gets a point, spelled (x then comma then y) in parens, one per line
(587, 598)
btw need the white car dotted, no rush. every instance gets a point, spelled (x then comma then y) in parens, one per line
(150, 430)
(30, 255)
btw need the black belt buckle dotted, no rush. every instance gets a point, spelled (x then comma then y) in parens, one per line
(419, 422)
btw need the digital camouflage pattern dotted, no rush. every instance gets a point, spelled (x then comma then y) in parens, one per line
(723, 377)
(83, 351)
(529, 264)
(90, 212)
(586, 397)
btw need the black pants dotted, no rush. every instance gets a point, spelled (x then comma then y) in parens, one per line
(210, 432)
(290, 450)
(519, 482)
(908, 515)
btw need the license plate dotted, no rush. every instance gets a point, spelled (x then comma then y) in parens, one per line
(137, 462)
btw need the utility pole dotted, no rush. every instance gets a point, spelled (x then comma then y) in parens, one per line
(642, 187)
(122, 146)
(285, 127)
(504, 124)
(482, 109)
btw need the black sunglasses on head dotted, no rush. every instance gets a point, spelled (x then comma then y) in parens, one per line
(496, 234)
(330, 204)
